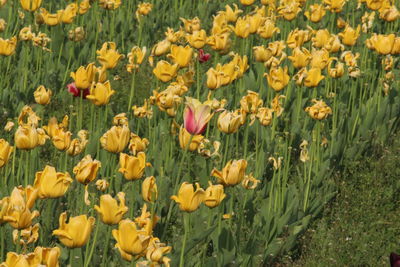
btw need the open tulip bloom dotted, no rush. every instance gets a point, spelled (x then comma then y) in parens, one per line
(196, 116)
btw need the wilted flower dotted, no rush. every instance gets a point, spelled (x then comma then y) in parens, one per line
(319, 110)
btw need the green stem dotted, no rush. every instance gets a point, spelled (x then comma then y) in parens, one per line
(132, 90)
(104, 259)
(186, 222)
(88, 258)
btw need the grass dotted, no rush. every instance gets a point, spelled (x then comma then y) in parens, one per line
(362, 225)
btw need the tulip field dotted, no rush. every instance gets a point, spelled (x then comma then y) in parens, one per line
(184, 133)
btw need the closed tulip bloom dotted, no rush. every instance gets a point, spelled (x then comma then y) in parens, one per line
(189, 197)
(5, 152)
(109, 210)
(49, 256)
(30, 5)
(108, 56)
(316, 13)
(232, 174)
(84, 7)
(26, 137)
(300, 57)
(247, 2)
(84, 76)
(8, 46)
(130, 240)
(313, 77)
(197, 39)
(132, 167)
(61, 139)
(42, 95)
(86, 170)
(321, 38)
(214, 195)
(261, 53)
(50, 19)
(229, 122)
(184, 138)
(69, 13)
(267, 29)
(278, 78)
(161, 48)
(52, 184)
(100, 93)
(165, 71)
(115, 139)
(76, 232)
(196, 116)
(319, 111)
(349, 36)
(181, 55)
(149, 189)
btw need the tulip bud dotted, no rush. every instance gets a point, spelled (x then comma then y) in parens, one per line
(132, 167)
(149, 189)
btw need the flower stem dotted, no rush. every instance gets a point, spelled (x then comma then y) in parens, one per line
(186, 222)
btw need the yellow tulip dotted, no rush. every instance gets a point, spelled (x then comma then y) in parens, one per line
(30, 5)
(334, 44)
(115, 139)
(110, 4)
(300, 57)
(149, 189)
(69, 13)
(242, 27)
(261, 53)
(313, 77)
(320, 58)
(137, 144)
(21, 260)
(197, 39)
(48, 18)
(61, 139)
(337, 71)
(132, 167)
(289, 10)
(84, 7)
(100, 93)
(76, 232)
(384, 44)
(321, 38)
(191, 25)
(232, 14)
(180, 55)
(247, 2)
(42, 95)
(316, 13)
(264, 115)
(184, 139)
(214, 195)
(255, 20)
(278, 78)
(374, 4)
(267, 29)
(161, 48)
(110, 211)
(389, 12)
(8, 46)
(5, 152)
(229, 122)
(232, 174)
(155, 253)
(297, 38)
(165, 71)
(135, 57)
(349, 36)
(3, 23)
(26, 236)
(86, 170)
(84, 76)
(143, 9)
(335, 5)
(18, 213)
(102, 185)
(108, 56)
(130, 240)
(319, 111)
(78, 145)
(51, 184)
(220, 42)
(251, 102)
(26, 137)
(2, 3)
(189, 197)
(49, 256)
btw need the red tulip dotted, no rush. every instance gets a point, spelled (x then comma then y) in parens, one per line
(203, 57)
(72, 89)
